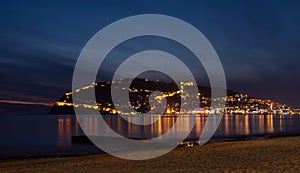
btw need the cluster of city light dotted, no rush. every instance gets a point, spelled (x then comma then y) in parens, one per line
(242, 104)
(236, 104)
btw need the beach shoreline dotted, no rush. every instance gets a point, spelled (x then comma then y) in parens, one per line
(280, 154)
(83, 146)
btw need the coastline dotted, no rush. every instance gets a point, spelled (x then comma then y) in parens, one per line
(83, 146)
(280, 154)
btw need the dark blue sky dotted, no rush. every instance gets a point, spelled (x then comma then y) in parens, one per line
(258, 43)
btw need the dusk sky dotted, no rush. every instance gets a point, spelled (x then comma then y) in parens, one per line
(258, 43)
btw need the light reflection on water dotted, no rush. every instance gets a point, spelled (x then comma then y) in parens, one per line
(56, 130)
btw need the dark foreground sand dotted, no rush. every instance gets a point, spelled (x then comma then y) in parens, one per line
(267, 155)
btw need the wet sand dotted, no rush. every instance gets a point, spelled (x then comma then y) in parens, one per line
(265, 155)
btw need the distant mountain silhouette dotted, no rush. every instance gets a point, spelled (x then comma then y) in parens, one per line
(140, 90)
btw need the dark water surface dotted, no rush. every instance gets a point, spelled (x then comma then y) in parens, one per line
(51, 134)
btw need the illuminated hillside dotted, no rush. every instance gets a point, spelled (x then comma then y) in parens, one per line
(141, 89)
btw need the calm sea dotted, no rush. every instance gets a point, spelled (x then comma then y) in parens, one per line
(40, 135)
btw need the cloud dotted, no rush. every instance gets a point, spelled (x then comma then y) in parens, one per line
(25, 103)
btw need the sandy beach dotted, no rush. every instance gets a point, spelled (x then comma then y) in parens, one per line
(264, 155)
